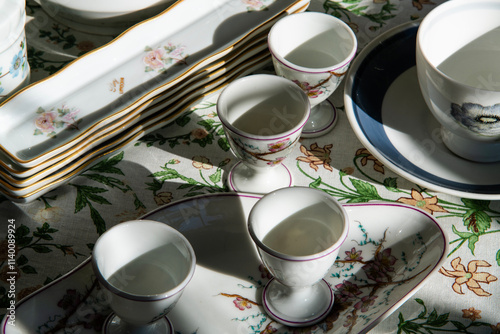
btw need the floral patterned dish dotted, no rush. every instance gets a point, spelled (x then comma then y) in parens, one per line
(389, 116)
(390, 252)
(114, 144)
(22, 177)
(151, 57)
(16, 175)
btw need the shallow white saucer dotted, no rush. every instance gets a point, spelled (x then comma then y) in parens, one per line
(398, 243)
(318, 311)
(389, 116)
(322, 120)
(277, 177)
(112, 326)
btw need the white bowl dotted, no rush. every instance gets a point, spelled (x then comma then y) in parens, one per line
(103, 16)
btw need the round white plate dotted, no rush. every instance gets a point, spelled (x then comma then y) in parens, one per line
(389, 116)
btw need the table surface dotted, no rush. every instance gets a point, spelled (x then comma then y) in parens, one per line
(59, 229)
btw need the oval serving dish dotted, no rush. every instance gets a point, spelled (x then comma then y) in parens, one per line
(228, 272)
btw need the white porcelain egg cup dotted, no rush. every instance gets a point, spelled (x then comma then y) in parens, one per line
(459, 77)
(263, 116)
(143, 266)
(314, 50)
(298, 232)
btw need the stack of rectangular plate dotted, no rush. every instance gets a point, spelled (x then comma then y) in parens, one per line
(142, 80)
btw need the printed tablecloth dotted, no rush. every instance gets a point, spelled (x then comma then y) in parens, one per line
(189, 157)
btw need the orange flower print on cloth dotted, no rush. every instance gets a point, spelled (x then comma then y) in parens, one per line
(200, 162)
(317, 156)
(471, 313)
(48, 214)
(419, 4)
(469, 276)
(428, 204)
(367, 156)
(199, 133)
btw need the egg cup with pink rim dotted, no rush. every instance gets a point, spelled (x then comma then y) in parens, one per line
(142, 266)
(298, 232)
(262, 116)
(314, 50)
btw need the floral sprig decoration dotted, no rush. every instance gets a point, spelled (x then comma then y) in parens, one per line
(50, 121)
(161, 58)
(255, 5)
(18, 65)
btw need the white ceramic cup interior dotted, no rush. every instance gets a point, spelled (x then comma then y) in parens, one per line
(453, 26)
(262, 106)
(145, 265)
(312, 42)
(298, 232)
(458, 66)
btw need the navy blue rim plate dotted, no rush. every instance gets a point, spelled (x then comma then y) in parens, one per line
(378, 68)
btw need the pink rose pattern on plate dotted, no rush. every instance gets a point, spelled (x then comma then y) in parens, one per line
(362, 286)
(256, 5)
(161, 58)
(50, 122)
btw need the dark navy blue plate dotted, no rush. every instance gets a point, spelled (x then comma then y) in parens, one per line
(389, 116)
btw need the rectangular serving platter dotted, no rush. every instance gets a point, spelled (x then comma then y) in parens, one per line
(143, 62)
(21, 177)
(115, 144)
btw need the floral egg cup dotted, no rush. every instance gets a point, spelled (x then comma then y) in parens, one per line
(263, 116)
(314, 50)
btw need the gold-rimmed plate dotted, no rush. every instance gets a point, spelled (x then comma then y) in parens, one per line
(143, 62)
(114, 144)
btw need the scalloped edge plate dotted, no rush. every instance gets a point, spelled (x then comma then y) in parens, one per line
(114, 144)
(148, 62)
